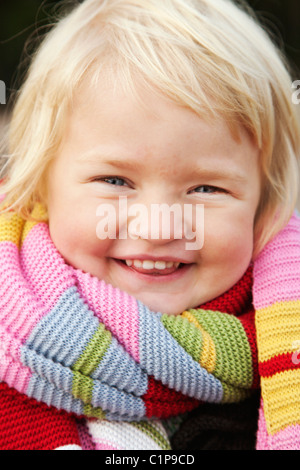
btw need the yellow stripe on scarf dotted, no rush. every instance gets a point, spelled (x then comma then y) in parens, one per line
(11, 225)
(14, 229)
(208, 354)
(281, 400)
(278, 328)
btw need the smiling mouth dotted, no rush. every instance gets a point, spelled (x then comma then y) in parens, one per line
(155, 268)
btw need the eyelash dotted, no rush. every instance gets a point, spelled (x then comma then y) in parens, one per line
(105, 180)
(213, 188)
(108, 180)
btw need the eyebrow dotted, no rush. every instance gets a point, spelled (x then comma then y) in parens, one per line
(113, 162)
(219, 174)
(125, 164)
(106, 158)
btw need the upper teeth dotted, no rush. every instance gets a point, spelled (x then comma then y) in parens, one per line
(149, 264)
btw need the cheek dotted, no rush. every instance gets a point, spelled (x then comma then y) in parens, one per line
(229, 240)
(240, 247)
(74, 235)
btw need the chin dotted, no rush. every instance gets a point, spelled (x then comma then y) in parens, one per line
(155, 307)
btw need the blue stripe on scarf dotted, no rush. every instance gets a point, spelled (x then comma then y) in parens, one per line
(162, 357)
(42, 390)
(118, 369)
(64, 333)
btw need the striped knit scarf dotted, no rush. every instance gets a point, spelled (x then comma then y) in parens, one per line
(89, 366)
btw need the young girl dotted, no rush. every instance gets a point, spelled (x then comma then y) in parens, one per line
(175, 102)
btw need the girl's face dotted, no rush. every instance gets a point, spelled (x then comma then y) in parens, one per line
(159, 153)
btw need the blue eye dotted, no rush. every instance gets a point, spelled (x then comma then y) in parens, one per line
(206, 189)
(115, 181)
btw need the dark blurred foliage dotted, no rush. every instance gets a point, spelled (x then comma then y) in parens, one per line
(22, 25)
(24, 19)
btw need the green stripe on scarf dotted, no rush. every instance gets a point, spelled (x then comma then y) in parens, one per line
(234, 358)
(88, 362)
(233, 354)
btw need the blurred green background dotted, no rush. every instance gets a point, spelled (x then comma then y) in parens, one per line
(20, 19)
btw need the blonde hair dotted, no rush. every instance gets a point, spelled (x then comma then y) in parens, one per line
(208, 55)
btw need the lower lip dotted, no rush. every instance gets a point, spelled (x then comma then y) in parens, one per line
(156, 278)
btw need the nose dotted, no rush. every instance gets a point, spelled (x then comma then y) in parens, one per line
(156, 221)
(162, 222)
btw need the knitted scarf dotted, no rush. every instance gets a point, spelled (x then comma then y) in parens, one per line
(90, 367)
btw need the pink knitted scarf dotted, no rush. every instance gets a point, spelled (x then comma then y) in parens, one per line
(76, 344)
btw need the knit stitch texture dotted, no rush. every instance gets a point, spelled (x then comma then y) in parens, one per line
(110, 369)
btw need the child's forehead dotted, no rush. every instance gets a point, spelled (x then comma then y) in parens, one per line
(107, 123)
(110, 94)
